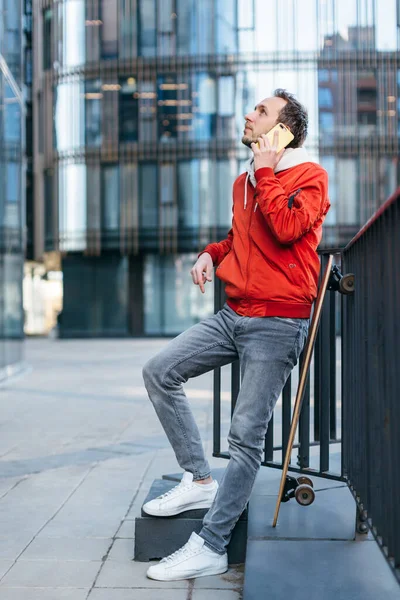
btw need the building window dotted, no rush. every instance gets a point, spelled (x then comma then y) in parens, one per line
(168, 101)
(147, 99)
(110, 198)
(325, 98)
(72, 207)
(47, 27)
(128, 29)
(72, 34)
(326, 122)
(188, 194)
(226, 26)
(69, 108)
(166, 27)
(204, 107)
(147, 28)
(226, 107)
(93, 103)
(48, 209)
(128, 110)
(148, 199)
(109, 29)
(186, 26)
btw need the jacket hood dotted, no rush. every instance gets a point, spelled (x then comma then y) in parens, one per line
(290, 158)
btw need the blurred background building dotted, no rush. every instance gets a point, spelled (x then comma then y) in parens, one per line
(14, 98)
(137, 110)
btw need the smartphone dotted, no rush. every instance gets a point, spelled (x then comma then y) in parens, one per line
(285, 136)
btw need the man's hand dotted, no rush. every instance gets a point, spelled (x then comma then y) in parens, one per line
(266, 155)
(201, 271)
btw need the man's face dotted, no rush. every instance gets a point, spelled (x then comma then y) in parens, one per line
(262, 119)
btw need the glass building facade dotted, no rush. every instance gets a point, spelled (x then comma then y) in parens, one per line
(139, 106)
(12, 184)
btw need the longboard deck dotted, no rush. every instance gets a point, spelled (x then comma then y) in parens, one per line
(303, 378)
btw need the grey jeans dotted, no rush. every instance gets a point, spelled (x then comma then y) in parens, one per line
(268, 349)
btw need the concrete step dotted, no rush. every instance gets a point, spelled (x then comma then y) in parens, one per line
(312, 553)
(157, 537)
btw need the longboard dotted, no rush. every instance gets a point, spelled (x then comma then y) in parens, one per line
(302, 383)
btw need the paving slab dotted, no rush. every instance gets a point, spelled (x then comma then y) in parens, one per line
(131, 574)
(311, 570)
(139, 594)
(199, 594)
(51, 573)
(122, 549)
(231, 580)
(41, 593)
(331, 516)
(68, 548)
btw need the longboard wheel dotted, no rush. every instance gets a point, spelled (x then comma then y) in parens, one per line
(303, 479)
(304, 494)
(346, 284)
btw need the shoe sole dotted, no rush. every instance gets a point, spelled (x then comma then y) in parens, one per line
(170, 513)
(202, 574)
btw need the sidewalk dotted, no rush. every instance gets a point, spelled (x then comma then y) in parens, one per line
(80, 445)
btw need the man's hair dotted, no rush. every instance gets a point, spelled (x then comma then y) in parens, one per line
(294, 115)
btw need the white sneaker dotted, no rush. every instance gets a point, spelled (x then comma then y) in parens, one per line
(194, 559)
(187, 495)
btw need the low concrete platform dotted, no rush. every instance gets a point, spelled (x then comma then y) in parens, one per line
(157, 537)
(313, 552)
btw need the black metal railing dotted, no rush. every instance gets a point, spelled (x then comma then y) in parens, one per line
(370, 376)
(321, 415)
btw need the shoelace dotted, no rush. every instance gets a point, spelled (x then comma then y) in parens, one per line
(186, 551)
(175, 488)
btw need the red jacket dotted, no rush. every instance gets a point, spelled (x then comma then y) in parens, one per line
(269, 261)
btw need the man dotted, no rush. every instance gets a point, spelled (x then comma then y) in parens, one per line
(270, 267)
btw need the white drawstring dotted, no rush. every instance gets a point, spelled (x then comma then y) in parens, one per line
(245, 191)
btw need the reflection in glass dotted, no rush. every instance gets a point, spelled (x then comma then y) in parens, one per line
(148, 203)
(128, 24)
(172, 302)
(186, 26)
(188, 193)
(109, 29)
(12, 116)
(128, 110)
(72, 199)
(147, 28)
(73, 38)
(93, 102)
(226, 23)
(110, 210)
(69, 117)
(47, 27)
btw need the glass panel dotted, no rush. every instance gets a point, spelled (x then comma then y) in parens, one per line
(12, 116)
(147, 110)
(166, 28)
(204, 107)
(205, 26)
(73, 35)
(186, 26)
(110, 198)
(148, 203)
(128, 110)
(109, 29)
(147, 25)
(226, 107)
(167, 195)
(72, 206)
(69, 108)
(47, 27)
(172, 302)
(226, 24)
(167, 94)
(93, 103)
(347, 190)
(128, 28)
(48, 210)
(226, 175)
(207, 194)
(188, 194)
